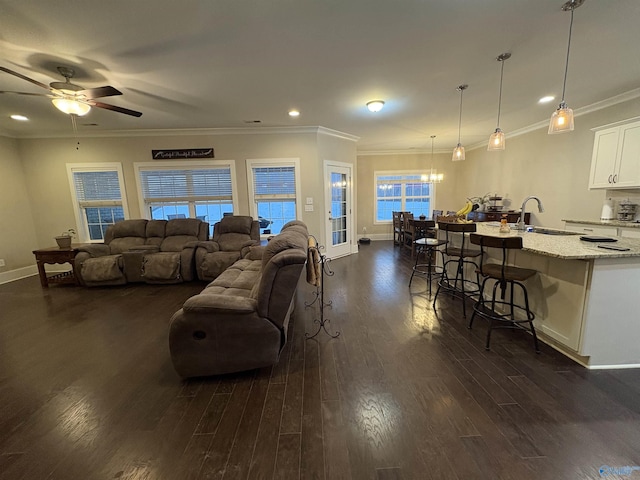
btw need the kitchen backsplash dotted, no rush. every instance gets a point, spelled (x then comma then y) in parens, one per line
(632, 196)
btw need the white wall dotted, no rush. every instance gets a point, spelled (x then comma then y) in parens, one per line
(18, 237)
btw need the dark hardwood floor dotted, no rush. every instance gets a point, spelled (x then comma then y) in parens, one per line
(87, 391)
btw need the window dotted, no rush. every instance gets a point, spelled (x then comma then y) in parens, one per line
(96, 190)
(186, 190)
(402, 191)
(273, 192)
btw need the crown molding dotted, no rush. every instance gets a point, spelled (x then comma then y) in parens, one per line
(314, 130)
(411, 151)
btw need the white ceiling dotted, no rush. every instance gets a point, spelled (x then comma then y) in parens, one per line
(217, 64)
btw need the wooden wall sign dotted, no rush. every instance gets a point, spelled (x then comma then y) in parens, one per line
(182, 153)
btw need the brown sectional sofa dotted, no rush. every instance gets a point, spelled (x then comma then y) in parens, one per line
(239, 321)
(140, 250)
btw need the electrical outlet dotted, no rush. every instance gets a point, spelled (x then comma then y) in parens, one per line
(1, 262)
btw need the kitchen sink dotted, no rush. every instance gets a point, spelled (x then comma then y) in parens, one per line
(549, 231)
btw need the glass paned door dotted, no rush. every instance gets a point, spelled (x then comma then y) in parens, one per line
(339, 209)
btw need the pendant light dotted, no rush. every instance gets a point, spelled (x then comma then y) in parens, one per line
(562, 118)
(434, 176)
(458, 152)
(496, 140)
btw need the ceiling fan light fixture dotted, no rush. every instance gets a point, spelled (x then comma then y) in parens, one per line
(562, 119)
(71, 107)
(375, 105)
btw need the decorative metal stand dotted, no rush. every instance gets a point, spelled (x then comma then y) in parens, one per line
(316, 258)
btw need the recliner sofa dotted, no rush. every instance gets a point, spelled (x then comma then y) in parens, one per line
(240, 320)
(140, 250)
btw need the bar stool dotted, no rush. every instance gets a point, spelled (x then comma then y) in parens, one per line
(504, 275)
(458, 257)
(428, 246)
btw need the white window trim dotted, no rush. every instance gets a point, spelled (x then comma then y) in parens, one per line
(272, 162)
(173, 165)
(81, 226)
(377, 173)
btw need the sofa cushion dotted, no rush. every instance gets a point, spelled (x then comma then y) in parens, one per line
(176, 243)
(129, 228)
(102, 269)
(155, 231)
(290, 238)
(120, 245)
(234, 241)
(235, 223)
(183, 226)
(162, 266)
(214, 265)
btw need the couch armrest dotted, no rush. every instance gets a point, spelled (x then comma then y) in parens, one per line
(95, 249)
(210, 246)
(223, 304)
(253, 252)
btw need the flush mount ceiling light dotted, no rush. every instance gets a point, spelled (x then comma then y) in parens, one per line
(375, 105)
(294, 113)
(496, 140)
(434, 176)
(562, 118)
(458, 152)
(20, 118)
(546, 99)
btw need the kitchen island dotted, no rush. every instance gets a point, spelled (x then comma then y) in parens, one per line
(585, 298)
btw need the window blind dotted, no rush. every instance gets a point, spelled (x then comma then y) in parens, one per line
(186, 184)
(97, 188)
(274, 182)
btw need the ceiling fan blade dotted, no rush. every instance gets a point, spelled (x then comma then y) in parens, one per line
(106, 106)
(106, 91)
(30, 94)
(19, 75)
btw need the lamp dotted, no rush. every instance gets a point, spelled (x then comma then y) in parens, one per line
(562, 118)
(458, 152)
(434, 176)
(496, 140)
(69, 105)
(375, 105)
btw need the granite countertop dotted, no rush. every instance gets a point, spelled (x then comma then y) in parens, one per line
(605, 223)
(568, 247)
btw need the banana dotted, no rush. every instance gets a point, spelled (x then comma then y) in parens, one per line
(465, 210)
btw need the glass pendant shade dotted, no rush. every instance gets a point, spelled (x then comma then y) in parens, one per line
(71, 107)
(458, 153)
(434, 176)
(561, 120)
(496, 140)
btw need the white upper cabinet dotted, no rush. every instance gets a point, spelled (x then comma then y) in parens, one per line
(616, 157)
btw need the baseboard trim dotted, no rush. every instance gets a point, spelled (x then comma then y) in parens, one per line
(18, 273)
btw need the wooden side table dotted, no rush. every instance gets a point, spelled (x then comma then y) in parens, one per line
(53, 255)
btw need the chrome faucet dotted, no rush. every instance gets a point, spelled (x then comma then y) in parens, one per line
(521, 224)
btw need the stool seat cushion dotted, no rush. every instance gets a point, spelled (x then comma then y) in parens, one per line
(517, 274)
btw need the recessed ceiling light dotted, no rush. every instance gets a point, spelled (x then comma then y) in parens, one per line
(294, 113)
(546, 99)
(21, 118)
(375, 105)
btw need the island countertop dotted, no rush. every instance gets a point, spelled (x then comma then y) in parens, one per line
(605, 223)
(568, 247)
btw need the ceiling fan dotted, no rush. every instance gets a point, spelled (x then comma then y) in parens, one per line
(70, 98)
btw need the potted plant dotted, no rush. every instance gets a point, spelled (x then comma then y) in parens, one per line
(64, 240)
